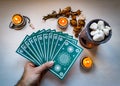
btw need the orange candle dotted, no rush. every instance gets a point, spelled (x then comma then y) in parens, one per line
(86, 63)
(62, 23)
(17, 19)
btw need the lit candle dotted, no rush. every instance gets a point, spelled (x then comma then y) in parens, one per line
(86, 63)
(17, 19)
(62, 23)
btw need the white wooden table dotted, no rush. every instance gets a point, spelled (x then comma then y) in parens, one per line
(106, 57)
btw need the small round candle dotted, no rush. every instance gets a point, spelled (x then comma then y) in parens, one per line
(62, 22)
(86, 63)
(17, 19)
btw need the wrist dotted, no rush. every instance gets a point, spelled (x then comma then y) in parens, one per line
(22, 82)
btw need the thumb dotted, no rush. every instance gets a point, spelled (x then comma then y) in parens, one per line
(44, 66)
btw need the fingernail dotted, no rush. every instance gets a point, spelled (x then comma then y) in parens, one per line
(51, 63)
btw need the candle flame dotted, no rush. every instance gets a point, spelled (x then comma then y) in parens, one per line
(17, 19)
(87, 62)
(63, 21)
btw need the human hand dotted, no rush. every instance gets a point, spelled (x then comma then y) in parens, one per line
(32, 75)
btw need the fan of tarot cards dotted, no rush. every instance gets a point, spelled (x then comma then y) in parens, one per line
(47, 45)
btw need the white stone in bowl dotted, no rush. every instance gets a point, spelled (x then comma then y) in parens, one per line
(93, 26)
(99, 36)
(101, 24)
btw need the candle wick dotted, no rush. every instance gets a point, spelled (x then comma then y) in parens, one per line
(88, 62)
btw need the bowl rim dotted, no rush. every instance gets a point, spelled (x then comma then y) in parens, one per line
(88, 30)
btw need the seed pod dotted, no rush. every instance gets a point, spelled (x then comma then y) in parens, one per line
(77, 13)
(73, 23)
(73, 17)
(81, 22)
(65, 10)
(76, 35)
(77, 31)
(78, 28)
(67, 14)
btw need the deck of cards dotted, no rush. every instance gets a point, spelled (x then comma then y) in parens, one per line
(47, 45)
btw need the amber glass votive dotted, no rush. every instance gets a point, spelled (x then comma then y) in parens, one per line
(86, 63)
(62, 23)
